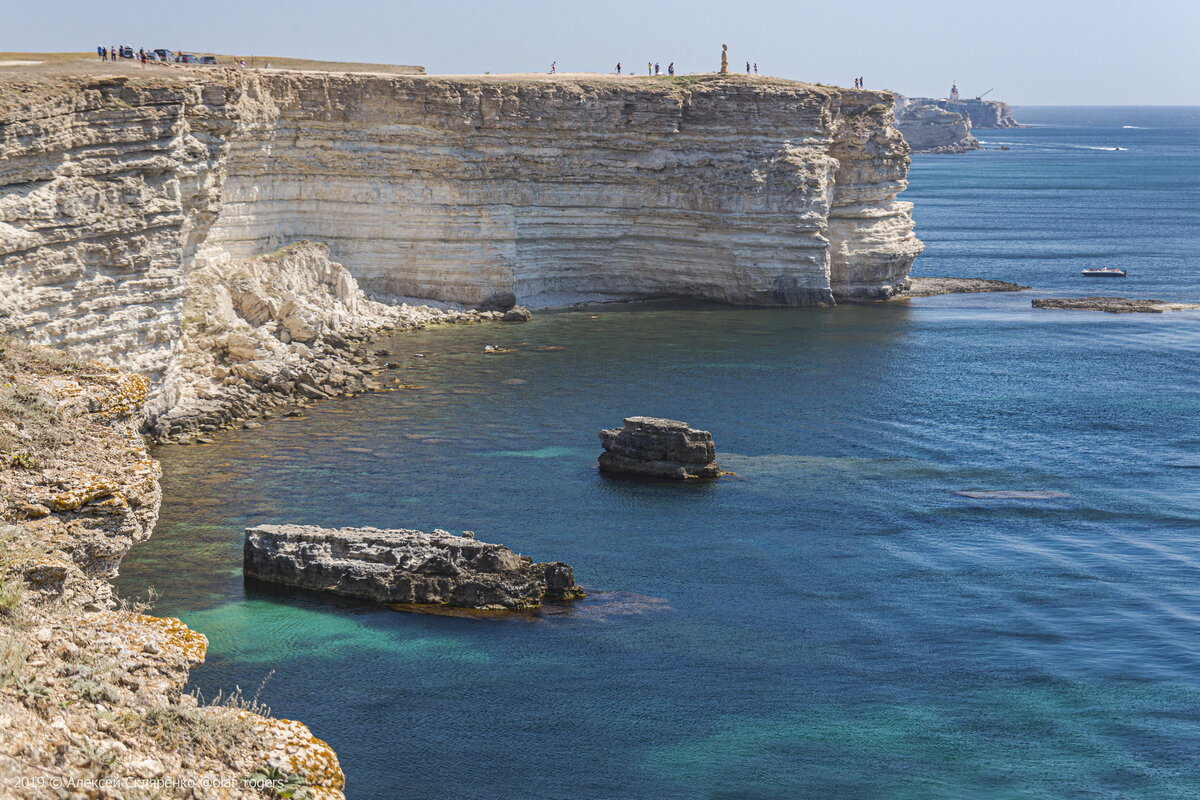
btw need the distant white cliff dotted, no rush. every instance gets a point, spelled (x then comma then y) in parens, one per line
(944, 126)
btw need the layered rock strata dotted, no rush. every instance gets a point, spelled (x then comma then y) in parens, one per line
(92, 693)
(981, 113)
(120, 194)
(930, 129)
(405, 567)
(658, 448)
(467, 190)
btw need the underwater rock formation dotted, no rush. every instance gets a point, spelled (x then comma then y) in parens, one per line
(658, 448)
(1113, 305)
(405, 566)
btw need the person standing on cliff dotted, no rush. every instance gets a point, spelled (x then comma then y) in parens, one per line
(649, 68)
(102, 53)
(747, 67)
(755, 67)
(618, 67)
(553, 67)
(671, 68)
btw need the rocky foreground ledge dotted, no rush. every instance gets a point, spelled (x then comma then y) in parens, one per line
(405, 567)
(658, 448)
(1112, 305)
(93, 699)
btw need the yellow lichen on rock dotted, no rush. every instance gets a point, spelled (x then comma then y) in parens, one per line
(171, 635)
(290, 747)
(90, 690)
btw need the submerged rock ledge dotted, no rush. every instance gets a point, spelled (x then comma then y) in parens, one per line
(929, 287)
(405, 567)
(1113, 305)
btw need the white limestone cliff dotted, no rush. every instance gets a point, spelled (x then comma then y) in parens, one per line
(931, 129)
(116, 192)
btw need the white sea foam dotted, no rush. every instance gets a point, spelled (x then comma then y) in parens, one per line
(1092, 147)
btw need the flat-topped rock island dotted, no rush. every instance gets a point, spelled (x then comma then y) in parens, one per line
(658, 448)
(405, 567)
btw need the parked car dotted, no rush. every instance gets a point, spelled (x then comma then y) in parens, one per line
(208, 59)
(125, 51)
(164, 55)
(186, 58)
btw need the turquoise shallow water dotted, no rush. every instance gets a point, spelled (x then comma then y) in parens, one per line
(834, 622)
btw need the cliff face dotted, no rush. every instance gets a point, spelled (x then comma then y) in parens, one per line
(106, 188)
(982, 113)
(113, 191)
(92, 692)
(469, 190)
(930, 129)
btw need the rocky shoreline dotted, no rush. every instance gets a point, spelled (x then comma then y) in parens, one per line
(939, 126)
(92, 690)
(930, 129)
(464, 189)
(1111, 305)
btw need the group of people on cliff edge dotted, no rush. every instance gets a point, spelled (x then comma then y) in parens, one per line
(112, 54)
(652, 68)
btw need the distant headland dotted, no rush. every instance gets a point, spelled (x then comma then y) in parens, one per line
(944, 125)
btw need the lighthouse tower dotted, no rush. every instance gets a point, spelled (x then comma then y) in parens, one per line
(954, 91)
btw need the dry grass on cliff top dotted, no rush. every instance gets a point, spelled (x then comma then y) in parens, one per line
(90, 63)
(64, 64)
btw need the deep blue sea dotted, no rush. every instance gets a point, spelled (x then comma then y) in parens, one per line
(834, 622)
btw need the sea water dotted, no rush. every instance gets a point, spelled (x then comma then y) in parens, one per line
(834, 621)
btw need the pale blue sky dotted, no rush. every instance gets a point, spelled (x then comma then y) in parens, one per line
(1031, 52)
